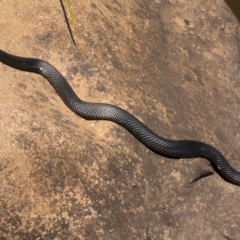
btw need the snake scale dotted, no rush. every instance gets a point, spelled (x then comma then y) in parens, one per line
(102, 111)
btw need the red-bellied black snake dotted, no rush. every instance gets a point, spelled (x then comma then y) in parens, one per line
(101, 111)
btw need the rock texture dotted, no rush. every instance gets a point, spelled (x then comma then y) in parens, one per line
(172, 64)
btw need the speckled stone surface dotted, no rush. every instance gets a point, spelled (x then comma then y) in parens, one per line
(173, 65)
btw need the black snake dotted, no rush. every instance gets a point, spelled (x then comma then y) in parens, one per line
(100, 111)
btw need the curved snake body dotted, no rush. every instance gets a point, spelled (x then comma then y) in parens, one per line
(101, 111)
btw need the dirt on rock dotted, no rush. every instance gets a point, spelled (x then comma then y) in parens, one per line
(172, 64)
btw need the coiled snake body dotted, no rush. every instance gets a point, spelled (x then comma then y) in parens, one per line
(100, 111)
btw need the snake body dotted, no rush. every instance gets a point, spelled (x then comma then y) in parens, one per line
(102, 111)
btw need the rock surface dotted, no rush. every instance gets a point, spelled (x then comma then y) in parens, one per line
(173, 65)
